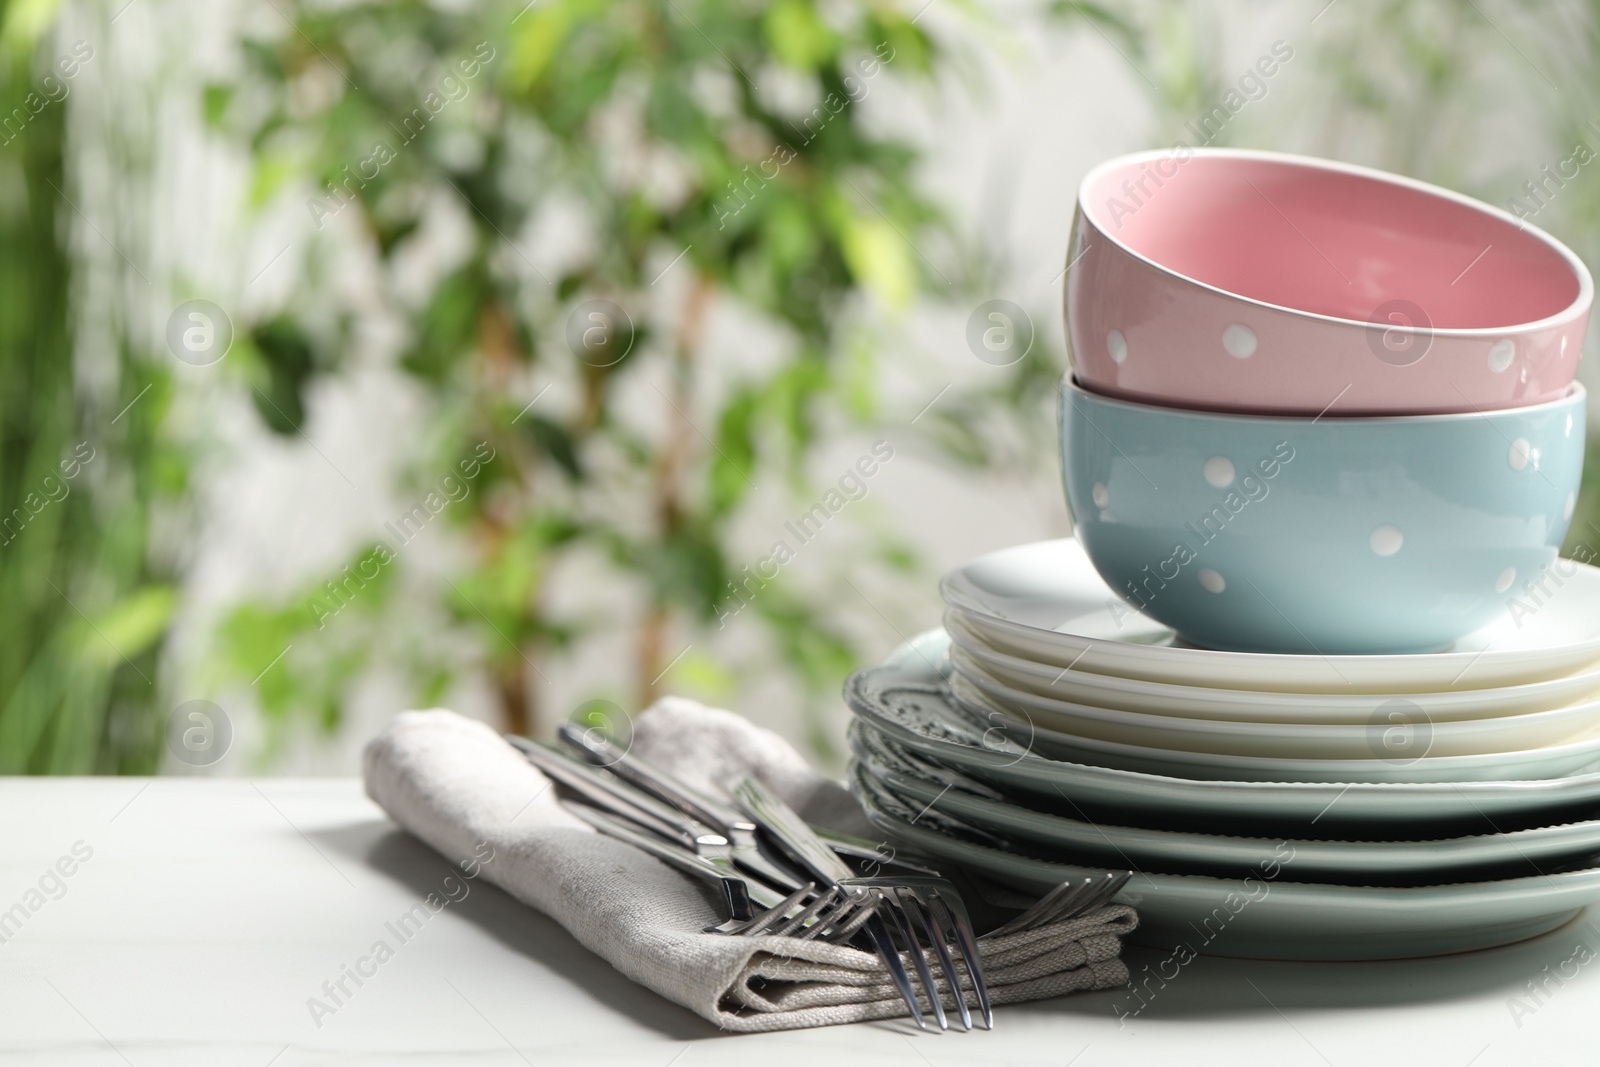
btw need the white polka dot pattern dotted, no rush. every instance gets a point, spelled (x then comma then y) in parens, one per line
(1240, 341)
(1501, 353)
(1386, 540)
(1116, 346)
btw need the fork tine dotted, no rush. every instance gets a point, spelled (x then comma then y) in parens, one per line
(799, 920)
(878, 934)
(915, 903)
(865, 907)
(1095, 892)
(955, 915)
(771, 915)
(1083, 899)
(1063, 906)
(1103, 891)
(1043, 909)
(844, 913)
(919, 959)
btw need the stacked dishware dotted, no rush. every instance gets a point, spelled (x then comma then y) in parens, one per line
(1311, 666)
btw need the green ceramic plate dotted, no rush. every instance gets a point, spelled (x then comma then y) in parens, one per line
(1266, 915)
(1082, 841)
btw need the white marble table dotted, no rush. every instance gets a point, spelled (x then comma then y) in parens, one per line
(209, 912)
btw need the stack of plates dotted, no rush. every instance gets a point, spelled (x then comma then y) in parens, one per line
(1310, 807)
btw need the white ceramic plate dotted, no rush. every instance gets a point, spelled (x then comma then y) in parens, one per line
(1248, 705)
(906, 699)
(1044, 602)
(1078, 840)
(1268, 916)
(1405, 765)
(1395, 729)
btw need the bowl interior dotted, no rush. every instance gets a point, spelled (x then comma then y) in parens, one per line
(1330, 241)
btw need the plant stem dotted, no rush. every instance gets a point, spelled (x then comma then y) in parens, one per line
(503, 357)
(669, 473)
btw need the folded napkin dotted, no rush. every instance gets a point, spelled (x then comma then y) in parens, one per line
(454, 783)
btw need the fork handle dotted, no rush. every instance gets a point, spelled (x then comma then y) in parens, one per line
(735, 891)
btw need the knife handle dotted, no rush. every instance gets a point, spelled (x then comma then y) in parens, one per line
(611, 795)
(640, 772)
(735, 891)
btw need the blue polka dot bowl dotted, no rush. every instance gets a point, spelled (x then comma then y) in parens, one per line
(1334, 536)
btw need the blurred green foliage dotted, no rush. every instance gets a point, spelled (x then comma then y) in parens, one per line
(716, 156)
(86, 610)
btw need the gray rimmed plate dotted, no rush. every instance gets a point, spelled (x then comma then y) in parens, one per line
(1265, 915)
(1083, 841)
(906, 699)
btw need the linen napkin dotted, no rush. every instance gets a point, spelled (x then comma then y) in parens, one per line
(456, 784)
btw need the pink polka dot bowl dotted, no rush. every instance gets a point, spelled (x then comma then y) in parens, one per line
(1381, 534)
(1232, 280)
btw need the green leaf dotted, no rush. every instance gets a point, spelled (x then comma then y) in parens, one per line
(449, 326)
(671, 113)
(788, 236)
(897, 41)
(214, 104)
(879, 259)
(274, 169)
(25, 22)
(536, 37)
(132, 625)
(289, 359)
(554, 441)
(705, 676)
(797, 35)
(735, 454)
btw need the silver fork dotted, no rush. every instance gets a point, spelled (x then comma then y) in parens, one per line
(1066, 901)
(835, 915)
(894, 915)
(943, 923)
(1070, 898)
(830, 913)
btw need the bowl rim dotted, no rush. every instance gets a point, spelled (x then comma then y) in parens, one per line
(1574, 394)
(1579, 305)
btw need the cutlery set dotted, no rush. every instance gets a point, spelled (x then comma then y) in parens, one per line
(777, 876)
